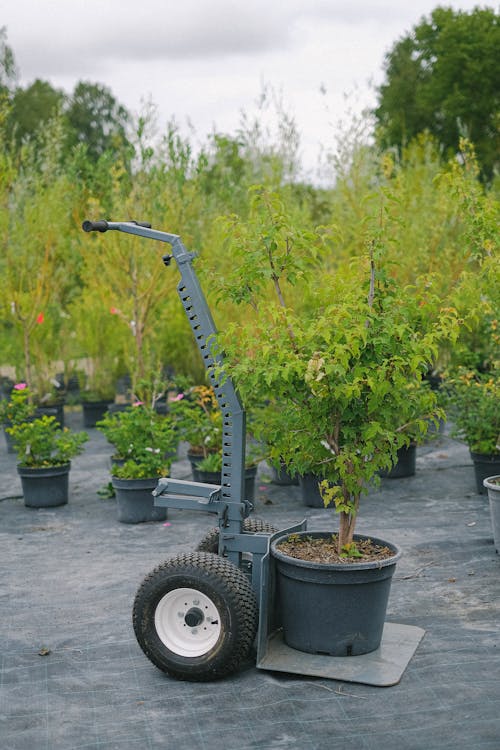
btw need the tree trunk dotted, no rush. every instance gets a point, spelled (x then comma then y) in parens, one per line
(347, 523)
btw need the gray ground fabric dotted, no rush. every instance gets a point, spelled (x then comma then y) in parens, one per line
(72, 676)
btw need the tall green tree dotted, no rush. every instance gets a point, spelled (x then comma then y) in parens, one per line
(8, 69)
(97, 120)
(444, 77)
(31, 109)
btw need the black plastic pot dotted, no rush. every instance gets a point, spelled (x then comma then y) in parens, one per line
(115, 407)
(161, 407)
(333, 609)
(405, 464)
(194, 459)
(250, 476)
(52, 410)
(135, 500)
(93, 411)
(282, 477)
(214, 477)
(46, 487)
(209, 477)
(309, 485)
(8, 439)
(485, 465)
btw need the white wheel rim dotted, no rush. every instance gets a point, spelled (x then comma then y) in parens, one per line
(187, 622)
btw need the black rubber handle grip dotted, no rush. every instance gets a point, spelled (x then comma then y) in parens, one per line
(103, 226)
(95, 226)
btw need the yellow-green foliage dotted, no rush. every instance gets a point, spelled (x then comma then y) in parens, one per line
(39, 263)
(434, 223)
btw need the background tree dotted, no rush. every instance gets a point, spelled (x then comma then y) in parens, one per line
(39, 259)
(31, 109)
(444, 77)
(95, 118)
(8, 70)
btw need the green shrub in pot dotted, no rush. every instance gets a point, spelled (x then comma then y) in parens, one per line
(40, 442)
(335, 356)
(144, 441)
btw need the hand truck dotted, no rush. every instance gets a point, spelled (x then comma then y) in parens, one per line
(198, 615)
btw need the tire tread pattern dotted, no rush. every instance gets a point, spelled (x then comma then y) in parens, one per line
(220, 579)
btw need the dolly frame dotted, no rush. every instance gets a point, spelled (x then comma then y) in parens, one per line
(383, 667)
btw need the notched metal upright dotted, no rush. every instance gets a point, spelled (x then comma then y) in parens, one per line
(233, 414)
(230, 505)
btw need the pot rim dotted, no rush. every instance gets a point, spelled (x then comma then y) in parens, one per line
(42, 469)
(124, 481)
(366, 565)
(492, 483)
(486, 458)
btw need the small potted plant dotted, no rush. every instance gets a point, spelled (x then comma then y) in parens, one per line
(44, 450)
(472, 400)
(97, 393)
(145, 443)
(199, 423)
(339, 353)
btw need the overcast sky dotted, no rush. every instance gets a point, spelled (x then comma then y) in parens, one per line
(204, 61)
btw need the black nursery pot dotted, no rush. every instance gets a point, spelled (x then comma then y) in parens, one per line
(485, 465)
(135, 501)
(8, 439)
(45, 487)
(333, 609)
(55, 410)
(309, 487)
(281, 476)
(214, 477)
(405, 465)
(93, 411)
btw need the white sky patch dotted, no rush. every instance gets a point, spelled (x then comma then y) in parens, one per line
(204, 61)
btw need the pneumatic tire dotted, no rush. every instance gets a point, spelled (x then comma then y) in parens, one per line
(196, 616)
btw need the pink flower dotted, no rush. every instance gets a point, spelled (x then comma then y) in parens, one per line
(179, 397)
(20, 386)
(40, 318)
(114, 310)
(138, 403)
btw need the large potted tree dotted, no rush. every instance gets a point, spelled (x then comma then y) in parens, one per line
(336, 355)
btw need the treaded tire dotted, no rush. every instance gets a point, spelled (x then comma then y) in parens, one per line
(196, 616)
(210, 542)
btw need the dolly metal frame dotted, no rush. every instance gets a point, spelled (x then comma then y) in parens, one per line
(227, 500)
(383, 667)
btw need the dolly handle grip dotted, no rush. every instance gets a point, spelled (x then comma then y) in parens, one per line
(95, 226)
(103, 226)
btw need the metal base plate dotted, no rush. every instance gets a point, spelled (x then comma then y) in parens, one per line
(381, 668)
